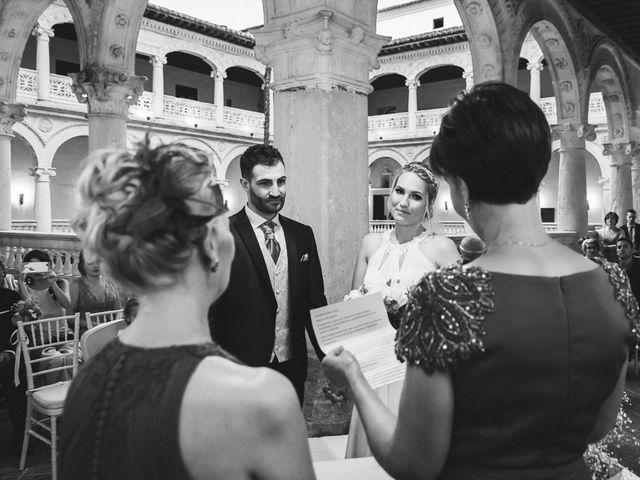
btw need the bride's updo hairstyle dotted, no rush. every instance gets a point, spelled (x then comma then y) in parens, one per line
(423, 171)
(143, 213)
(497, 140)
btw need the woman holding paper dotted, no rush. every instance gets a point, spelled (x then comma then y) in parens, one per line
(393, 262)
(516, 361)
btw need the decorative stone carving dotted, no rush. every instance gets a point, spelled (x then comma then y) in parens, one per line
(39, 30)
(569, 108)
(572, 135)
(484, 40)
(488, 71)
(107, 91)
(11, 33)
(412, 83)
(292, 30)
(4, 56)
(474, 8)
(325, 37)
(512, 6)
(535, 66)
(42, 174)
(627, 148)
(611, 98)
(357, 35)
(10, 113)
(116, 50)
(121, 20)
(566, 86)
(45, 125)
(560, 63)
(552, 42)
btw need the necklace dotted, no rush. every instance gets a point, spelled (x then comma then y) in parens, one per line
(521, 244)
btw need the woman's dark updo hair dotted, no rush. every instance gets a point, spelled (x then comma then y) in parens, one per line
(144, 212)
(37, 255)
(497, 140)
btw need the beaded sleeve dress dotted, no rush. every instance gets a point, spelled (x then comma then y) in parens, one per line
(398, 267)
(121, 416)
(532, 359)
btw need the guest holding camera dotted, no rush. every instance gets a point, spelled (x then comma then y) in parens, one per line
(44, 287)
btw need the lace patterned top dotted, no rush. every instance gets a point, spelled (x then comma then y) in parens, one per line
(402, 264)
(122, 412)
(88, 302)
(532, 360)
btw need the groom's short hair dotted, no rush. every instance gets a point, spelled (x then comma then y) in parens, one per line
(258, 155)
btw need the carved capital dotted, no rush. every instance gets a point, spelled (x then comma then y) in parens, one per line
(107, 91)
(604, 182)
(42, 174)
(624, 148)
(412, 83)
(467, 74)
(43, 33)
(10, 113)
(218, 75)
(535, 67)
(573, 135)
(158, 61)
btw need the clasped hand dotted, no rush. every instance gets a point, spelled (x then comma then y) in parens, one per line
(339, 365)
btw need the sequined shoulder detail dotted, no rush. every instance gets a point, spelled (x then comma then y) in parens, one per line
(444, 320)
(623, 293)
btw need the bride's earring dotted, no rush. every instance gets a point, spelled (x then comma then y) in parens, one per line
(467, 212)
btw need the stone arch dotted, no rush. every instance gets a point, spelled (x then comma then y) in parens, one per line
(387, 153)
(393, 71)
(423, 155)
(204, 146)
(17, 19)
(595, 149)
(460, 61)
(64, 134)
(21, 198)
(54, 15)
(31, 138)
(200, 53)
(382, 171)
(548, 23)
(229, 156)
(484, 39)
(252, 68)
(609, 76)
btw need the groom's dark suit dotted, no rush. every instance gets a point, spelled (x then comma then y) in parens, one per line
(636, 235)
(242, 320)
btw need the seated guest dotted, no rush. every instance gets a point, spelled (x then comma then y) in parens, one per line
(630, 264)
(14, 396)
(162, 401)
(45, 288)
(471, 247)
(91, 292)
(609, 235)
(515, 361)
(590, 246)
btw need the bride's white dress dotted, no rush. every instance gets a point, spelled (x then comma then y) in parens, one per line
(404, 265)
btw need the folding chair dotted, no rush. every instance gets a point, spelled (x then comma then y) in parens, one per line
(96, 338)
(99, 318)
(41, 344)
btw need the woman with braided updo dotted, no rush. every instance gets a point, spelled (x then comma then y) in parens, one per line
(515, 361)
(392, 262)
(162, 401)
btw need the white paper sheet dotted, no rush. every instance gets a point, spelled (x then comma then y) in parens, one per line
(361, 326)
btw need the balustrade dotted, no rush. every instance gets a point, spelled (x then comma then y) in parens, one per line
(64, 249)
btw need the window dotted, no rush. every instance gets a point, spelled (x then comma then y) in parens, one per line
(438, 22)
(548, 215)
(190, 93)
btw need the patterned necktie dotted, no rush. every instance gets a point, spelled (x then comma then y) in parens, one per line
(270, 239)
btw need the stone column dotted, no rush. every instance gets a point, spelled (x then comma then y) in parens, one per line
(621, 185)
(572, 176)
(635, 177)
(42, 199)
(321, 61)
(43, 61)
(468, 78)
(10, 113)
(606, 194)
(108, 95)
(412, 107)
(158, 85)
(534, 86)
(218, 95)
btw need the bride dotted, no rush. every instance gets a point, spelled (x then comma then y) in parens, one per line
(397, 260)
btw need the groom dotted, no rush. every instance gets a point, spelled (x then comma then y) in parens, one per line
(275, 276)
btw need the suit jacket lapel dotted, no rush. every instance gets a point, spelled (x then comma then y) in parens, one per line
(292, 256)
(248, 237)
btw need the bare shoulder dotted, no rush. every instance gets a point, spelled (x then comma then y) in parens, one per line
(370, 242)
(441, 250)
(228, 411)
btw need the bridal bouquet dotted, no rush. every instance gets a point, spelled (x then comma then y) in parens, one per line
(25, 310)
(394, 297)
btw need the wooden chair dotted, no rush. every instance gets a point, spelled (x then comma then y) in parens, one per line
(40, 344)
(95, 339)
(99, 318)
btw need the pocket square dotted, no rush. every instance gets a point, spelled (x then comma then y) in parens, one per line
(304, 258)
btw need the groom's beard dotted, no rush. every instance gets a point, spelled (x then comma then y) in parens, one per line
(267, 205)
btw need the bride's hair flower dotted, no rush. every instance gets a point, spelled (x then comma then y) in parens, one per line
(25, 310)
